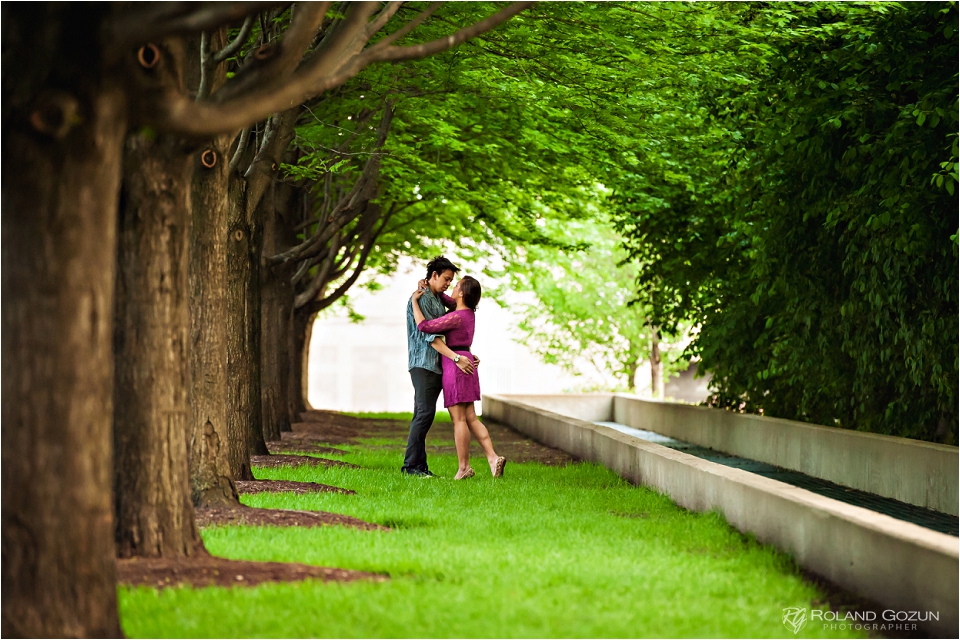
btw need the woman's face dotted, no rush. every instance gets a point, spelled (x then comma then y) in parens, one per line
(456, 292)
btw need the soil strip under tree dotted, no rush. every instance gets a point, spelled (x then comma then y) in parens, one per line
(282, 460)
(242, 515)
(301, 442)
(287, 486)
(205, 571)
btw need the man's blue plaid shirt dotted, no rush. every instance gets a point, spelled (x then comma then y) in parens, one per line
(419, 352)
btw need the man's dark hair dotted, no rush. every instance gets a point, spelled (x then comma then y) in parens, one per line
(440, 264)
(470, 289)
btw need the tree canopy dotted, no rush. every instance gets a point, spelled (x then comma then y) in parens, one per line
(781, 178)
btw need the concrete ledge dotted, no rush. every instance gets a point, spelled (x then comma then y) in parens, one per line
(898, 564)
(590, 407)
(912, 471)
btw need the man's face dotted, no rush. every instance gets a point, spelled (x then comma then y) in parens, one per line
(440, 282)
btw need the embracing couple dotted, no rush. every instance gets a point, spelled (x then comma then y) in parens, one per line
(439, 336)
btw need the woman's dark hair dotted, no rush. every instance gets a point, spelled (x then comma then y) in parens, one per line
(470, 289)
(440, 264)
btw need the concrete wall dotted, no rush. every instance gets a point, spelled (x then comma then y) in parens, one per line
(898, 564)
(920, 473)
(590, 407)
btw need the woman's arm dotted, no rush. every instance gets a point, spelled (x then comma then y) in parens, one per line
(417, 313)
(439, 325)
(443, 324)
(465, 363)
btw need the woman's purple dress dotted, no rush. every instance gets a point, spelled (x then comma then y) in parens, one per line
(457, 327)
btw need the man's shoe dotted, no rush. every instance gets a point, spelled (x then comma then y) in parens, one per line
(419, 473)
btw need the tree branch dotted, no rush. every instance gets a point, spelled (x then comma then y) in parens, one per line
(364, 190)
(407, 28)
(144, 22)
(275, 62)
(442, 44)
(241, 147)
(320, 280)
(209, 61)
(234, 46)
(319, 305)
(380, 20)
(267, 160)
(338, 58)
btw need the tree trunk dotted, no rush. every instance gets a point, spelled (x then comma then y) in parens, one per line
(243, 326)
(304, 367)
(656, 368)
(210, 473)
(61, 176)
(277, 295)
(251, 196)
(218, 456)
(299, 359)
(154, 513)
(632, 367)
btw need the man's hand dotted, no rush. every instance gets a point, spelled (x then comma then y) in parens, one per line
(476, 361)
(466, 365)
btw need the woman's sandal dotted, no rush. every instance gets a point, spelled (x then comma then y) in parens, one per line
(466, 474)
(498, 469)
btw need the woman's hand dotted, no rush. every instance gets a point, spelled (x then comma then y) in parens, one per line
(466, 365)
(415, 303)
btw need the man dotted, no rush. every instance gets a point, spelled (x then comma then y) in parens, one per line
(423, 363)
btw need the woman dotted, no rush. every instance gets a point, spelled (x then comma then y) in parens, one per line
(461, 390)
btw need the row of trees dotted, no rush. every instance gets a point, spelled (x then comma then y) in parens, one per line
(152, 266)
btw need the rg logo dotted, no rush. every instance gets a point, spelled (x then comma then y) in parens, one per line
(795, 618)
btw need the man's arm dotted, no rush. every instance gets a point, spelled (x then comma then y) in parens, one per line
(465, 363)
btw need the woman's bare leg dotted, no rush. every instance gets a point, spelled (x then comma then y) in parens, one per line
(481, 434)
(461, 435)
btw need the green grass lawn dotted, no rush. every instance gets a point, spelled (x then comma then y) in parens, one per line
(546, 552)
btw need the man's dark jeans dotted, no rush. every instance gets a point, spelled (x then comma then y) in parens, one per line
(427, 386)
